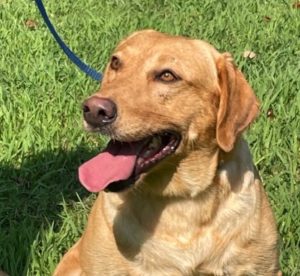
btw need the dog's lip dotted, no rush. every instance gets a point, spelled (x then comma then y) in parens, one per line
(147, 159)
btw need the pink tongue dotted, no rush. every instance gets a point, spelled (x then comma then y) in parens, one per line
(115, 163)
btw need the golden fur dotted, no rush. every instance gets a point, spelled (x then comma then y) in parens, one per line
(202, 210)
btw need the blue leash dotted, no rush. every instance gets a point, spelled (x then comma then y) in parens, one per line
(75, 59)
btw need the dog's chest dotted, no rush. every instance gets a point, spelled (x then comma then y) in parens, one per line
(201, 252)
(179, 246)
(198, 257)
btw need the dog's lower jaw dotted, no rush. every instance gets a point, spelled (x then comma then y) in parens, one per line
(190, 174)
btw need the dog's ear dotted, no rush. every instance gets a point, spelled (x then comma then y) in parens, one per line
(238, 105)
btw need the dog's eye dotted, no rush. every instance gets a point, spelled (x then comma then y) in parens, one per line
(115, 63)
(167, 76)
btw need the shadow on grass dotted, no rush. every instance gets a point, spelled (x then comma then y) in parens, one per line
(31, 197)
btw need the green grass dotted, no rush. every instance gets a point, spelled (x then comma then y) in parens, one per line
(43, 208)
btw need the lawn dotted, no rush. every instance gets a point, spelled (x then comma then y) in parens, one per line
(43, 208)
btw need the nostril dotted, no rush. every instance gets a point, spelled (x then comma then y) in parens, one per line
(85, 109)
(102, 113)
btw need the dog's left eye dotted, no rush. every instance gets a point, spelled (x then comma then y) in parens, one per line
(115, 63)
(166, 76)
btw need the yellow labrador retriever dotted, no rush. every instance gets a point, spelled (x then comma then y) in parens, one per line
(179, 192)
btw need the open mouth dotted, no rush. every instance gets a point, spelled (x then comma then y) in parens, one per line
(120, 164)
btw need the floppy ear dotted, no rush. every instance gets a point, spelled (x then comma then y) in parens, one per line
(238, 106)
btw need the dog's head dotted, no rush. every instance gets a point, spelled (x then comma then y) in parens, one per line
(162, 99)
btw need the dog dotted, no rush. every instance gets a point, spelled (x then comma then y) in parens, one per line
(180, 194)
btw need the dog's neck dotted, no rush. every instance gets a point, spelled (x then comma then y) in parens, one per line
(236, 170)
(197, 173)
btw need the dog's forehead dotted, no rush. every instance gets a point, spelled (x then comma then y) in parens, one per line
(149, 46)
(142, 41)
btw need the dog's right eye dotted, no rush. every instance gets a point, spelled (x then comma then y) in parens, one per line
(167, 76)
(115, 63)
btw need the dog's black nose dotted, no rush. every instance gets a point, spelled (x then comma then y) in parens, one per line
(99, 111)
